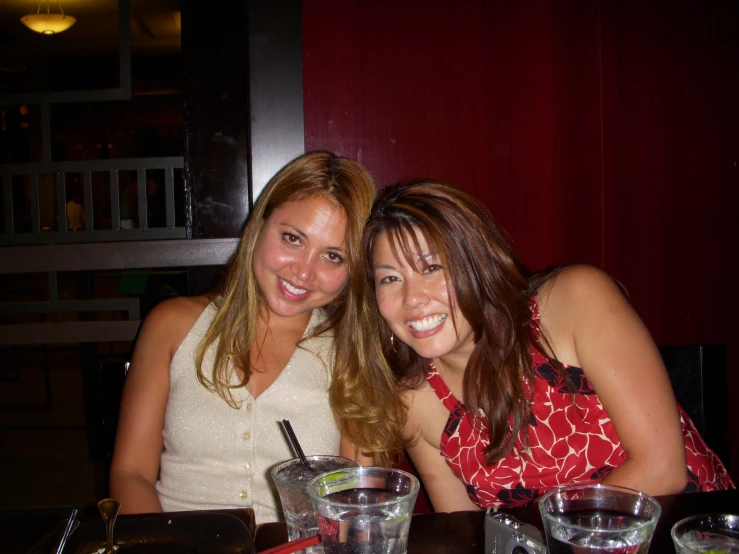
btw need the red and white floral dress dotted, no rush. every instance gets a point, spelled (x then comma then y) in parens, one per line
(570, 440)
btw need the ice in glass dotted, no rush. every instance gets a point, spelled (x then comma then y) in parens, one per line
(291, 478)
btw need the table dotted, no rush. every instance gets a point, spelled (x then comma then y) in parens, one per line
(463, 532)
(442, 533)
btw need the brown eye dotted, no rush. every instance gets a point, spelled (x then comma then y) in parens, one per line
(291, 238)
(335, 258)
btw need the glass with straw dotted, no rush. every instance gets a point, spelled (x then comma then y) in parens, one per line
(291, 478)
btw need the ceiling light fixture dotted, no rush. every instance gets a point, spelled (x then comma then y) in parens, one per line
(48, 23)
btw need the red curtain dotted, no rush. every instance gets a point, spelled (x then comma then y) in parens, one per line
(602, 131)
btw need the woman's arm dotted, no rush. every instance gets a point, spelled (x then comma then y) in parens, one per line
(426, 420)
(138, 447)
(446, 492)
(591, 325)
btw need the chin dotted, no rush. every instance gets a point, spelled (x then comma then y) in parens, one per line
(431, 352)
(283, 309)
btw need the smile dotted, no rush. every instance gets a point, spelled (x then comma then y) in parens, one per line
(292, 289)
(427, 323)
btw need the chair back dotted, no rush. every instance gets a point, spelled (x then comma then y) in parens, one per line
(112, 377)
(105, 388)
(698, 377)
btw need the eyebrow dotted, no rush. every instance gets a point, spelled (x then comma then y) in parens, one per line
(422, 257)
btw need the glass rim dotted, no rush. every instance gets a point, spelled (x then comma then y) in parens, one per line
(276, 469)
(707, 515)
(652, 520)
(365, 469)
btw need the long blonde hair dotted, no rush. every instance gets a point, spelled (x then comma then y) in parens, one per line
(233, 330)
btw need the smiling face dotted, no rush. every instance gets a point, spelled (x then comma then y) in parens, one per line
(300, 257)
(416, 304)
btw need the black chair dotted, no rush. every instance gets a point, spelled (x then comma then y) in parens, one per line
(113, 375)
(698, 376)
(103, 418)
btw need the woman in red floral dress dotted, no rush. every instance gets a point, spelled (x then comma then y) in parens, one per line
(516, 385)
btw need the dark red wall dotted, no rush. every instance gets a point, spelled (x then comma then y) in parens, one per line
(598, 131)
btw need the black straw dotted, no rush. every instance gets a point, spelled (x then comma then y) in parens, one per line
(295, 443)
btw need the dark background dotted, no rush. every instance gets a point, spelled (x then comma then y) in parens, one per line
(596, 131)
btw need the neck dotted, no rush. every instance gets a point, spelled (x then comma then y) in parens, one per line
(450, 365)
(269, 323)
(453, 375)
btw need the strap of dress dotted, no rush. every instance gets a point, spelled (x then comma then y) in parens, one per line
(535, 320)
(440, 387)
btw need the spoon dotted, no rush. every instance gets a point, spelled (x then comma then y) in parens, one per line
(109, 510)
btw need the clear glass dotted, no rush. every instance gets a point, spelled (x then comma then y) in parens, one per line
(707, 533)
(598, 519)
(291, 478)
(364, 510)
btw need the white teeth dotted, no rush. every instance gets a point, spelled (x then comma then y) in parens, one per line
(427, 322)
(292, 289)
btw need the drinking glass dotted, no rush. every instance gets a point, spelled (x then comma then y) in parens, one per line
(598, 519)
(291, 478)
(364, 510)
(707, 533)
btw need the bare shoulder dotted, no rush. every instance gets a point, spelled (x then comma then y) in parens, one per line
(181, 310)
(575, 288)
(170, 321)
(182, 305)
(577, 297)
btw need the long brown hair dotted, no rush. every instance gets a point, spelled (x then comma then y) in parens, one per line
(343, 182)
(487, 282)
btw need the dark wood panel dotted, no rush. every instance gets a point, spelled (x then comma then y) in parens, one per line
(216, 117)
(275, 88)
(116, 255)
(72, 332)
(243, 105)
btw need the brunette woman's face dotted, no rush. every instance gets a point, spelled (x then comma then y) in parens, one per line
(300, 256)
(416, 303)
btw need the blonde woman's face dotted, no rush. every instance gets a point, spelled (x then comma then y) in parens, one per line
(300, 258)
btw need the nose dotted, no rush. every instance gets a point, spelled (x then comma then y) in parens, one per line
(304, 267)
(415, 293)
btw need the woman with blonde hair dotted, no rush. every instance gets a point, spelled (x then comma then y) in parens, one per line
(212, 376)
